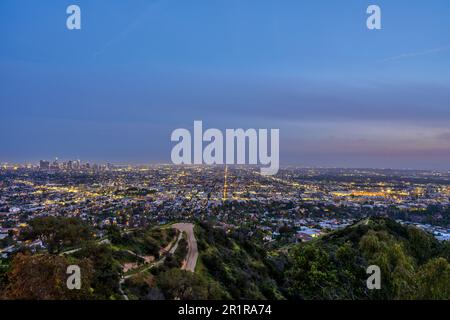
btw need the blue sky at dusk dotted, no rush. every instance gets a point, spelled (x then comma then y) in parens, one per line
(341, 95)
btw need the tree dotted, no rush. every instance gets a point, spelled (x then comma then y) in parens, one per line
(433, 280)
(312, 275)
(397, 266)
(106, 271)
(57, 232)
(185, 285)
(44, 277)
(114, 235)
(420, 244)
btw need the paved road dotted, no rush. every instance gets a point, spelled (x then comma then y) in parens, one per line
(192, 255)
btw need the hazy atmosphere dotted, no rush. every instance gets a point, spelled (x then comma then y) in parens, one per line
(340, 94)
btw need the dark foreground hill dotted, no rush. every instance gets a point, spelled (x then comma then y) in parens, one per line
(413, 264)
(233, 265)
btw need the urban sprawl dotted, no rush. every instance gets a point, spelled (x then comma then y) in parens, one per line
(298, 204)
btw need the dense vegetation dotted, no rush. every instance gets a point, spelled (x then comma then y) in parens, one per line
(334, 267)
(142, 242)
(57, 233)
(232, 264)
(413, 264)
(176, 260)
(241, 269)
(42, 275)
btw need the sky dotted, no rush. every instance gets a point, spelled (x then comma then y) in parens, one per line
(341, 95)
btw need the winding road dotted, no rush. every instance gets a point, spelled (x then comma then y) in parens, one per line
(192, 255)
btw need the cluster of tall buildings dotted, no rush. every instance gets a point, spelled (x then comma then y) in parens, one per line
(72, 165)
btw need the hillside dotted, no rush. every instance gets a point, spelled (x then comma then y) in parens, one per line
(146, 264)
(413, 264)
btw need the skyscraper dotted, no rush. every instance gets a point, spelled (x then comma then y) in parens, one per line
(44, 165)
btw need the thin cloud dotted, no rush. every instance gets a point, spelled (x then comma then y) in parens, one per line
(121, 35)
(444, 136)
(416, 54)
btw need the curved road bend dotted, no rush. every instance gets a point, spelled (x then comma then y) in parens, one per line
(192, 255)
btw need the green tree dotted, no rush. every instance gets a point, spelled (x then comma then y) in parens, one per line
(57, 232)
(397, 267)
(312, 275)
(433, 280)
(106, 270)
(185, 285)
